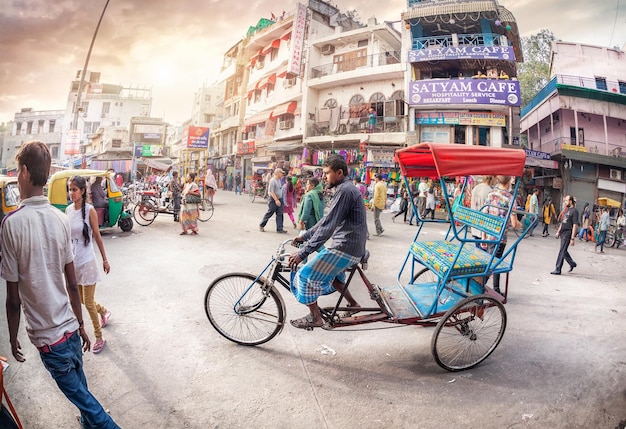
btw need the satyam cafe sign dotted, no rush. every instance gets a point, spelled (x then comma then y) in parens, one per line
(464, 91)
(463, 53)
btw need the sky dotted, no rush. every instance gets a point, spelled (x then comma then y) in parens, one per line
(174, 47)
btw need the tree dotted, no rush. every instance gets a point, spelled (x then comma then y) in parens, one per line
(534, 72)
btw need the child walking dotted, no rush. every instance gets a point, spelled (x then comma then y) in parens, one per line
(84, 229)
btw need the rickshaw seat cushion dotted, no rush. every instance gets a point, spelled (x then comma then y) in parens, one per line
(439, 255)
(484, 222)
(100, 213)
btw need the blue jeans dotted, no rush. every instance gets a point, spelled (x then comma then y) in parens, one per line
(602, 240)
(271, 209)
(65, 364)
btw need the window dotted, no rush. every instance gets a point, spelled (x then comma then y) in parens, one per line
(54, 151)
(581, 136)
(18, 128)
(207, 98)
(116, 143)
(273, 54)
(622, 87)
(362, 43)
(40, 126)
(377, 102)
(331, 103)
(105, 108)
(601, 83)
(51, 125)
(29, 127)
(350, 60)
(270, 88)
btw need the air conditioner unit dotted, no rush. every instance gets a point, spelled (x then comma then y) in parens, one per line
(288, 83)
(615, 174)
(285, 125)
(617, 151)
(328, 49)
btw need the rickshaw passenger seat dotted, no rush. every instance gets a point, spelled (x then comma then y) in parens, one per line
(100, 213)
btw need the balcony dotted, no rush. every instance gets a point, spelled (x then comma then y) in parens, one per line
(365, 62)
(384, 124)
(449, 40)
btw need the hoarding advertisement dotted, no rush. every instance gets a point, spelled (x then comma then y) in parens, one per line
(198, 138)
(297, 40)
(464, 91)
(463, 53)
(72, 142)
(151, 150)
(245, 147)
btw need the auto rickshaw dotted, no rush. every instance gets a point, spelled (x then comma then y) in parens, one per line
(9, 194)
(59, 197)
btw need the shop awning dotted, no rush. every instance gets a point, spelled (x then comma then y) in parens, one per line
(271, 79)
(284, 109)
(257, 119)
(286, 35)
(250, 93)
(156, 165)
(274, 45)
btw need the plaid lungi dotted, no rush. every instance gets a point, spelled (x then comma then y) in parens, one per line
(315, 278)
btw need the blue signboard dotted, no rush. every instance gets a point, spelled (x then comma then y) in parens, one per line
(463, 53)
(464, 91)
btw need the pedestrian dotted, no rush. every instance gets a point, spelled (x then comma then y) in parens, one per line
(84, 229)
(548, 213)
(37, 264)
(497, 203)
(534, 209)
(414, 195)
(210, 185)
(584, 231)
(379, 202)
(422, 190)
(191, 205)
(289, 197)
(621, 224)
(238, 183)
(346, 223)
(371, 120)
(431, 202)
(311, 208)
(567, 232)
(275, 202)
(231, 180)
(479, 199)
(176, 188)
(119, 180)
(360, 186)
(404, 203)
(605, 219)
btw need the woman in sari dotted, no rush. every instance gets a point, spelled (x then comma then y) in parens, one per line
(190, 207)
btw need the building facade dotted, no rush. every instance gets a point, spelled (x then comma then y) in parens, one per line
(579, 120)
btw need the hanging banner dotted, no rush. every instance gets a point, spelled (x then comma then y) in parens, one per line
(297, 40)
(464, 91)
(484, 119)
(72, 142)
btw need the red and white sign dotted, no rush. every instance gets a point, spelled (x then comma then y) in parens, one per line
(72, 142)
(297, 40)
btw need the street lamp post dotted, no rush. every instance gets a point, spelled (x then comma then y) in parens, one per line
(77, 108)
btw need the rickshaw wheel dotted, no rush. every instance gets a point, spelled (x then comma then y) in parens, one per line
(205, 210)
(468, 333)
(252, 194)
(241, 311)
(126, 224)
(145, 212)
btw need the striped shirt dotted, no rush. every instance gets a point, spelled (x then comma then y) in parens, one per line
(345, 222)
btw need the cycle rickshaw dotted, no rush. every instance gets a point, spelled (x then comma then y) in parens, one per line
(441, 283)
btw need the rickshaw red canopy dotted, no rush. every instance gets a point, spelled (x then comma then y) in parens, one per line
(435, 160)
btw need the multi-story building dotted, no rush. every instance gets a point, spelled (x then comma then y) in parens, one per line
(578, 120)
(205, 105)
(102, 105)
(462, 85)
(28, 125)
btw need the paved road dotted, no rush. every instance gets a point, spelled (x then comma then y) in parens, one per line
(561, 364)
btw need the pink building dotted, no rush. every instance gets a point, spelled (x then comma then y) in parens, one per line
(579, 119)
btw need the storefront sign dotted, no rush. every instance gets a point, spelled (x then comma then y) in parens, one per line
(196, 137)
(380, 157)
(487, 119)
(297, 40)
(544, 163)
(151, 150)
(245, 147)
(573, 147)
(463, 53)
(464, 91)
(557, 183)
(536, 154)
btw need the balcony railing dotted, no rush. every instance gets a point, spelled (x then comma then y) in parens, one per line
(384, 124)
(385, 58)
(445, 41)
(556, 146)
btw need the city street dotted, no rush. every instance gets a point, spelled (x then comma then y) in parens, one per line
(561, 363)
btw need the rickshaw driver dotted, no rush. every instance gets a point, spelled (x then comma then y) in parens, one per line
(99, 197)
(346, 223)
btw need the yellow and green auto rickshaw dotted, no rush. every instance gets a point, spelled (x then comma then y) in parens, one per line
(117, 214)
(9, 194)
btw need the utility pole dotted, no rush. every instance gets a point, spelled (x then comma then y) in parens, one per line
(77, 107)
